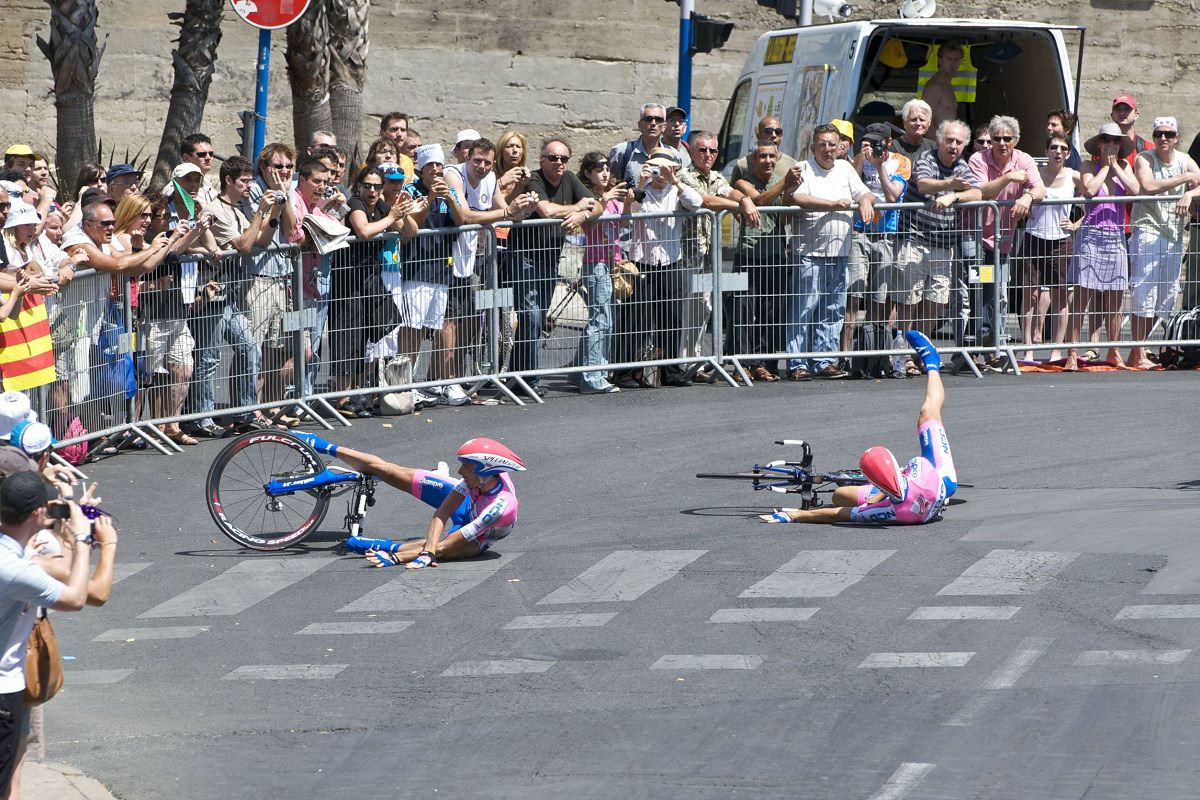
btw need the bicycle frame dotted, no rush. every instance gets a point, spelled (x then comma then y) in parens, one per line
(333, 481)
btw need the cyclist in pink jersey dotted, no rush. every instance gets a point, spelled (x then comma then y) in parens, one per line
(913, 495)
(473, 512)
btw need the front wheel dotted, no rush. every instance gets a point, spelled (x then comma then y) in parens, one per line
(238, 499)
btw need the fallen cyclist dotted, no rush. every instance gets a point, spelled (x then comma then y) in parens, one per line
(913, 495)
(472, 512)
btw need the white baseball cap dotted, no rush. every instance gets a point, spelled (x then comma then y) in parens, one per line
(14, 408)
(468, 135)
(32, 437)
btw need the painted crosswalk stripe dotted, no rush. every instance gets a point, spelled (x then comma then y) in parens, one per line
(1102, 658)
(1160, 611)
(238, 587)
(285, 672)
(762, 614)
(424, 589)
(79, 677)
(964, 612)
(906, 778)
(364, 627)
(708, 661)
(819, 573)
(904, 660)
(123, 571)
(1006, 676)
(539, 621)
(622, 576)
(506, 666)
(142, 634)
(1003, 572)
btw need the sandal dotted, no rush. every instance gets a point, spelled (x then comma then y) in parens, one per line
(99, 450)
(911, 370)
(179, 437)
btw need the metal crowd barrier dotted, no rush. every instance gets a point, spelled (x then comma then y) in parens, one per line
(640, 300)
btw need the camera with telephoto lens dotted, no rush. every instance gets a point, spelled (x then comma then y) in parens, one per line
(876, 149)
(639, 194)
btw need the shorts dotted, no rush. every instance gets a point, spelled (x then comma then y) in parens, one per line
(267, 301)
(1154, 265)
(424, 304)
(923, 273)
(169, 343)
(432, 490)
(1045, 261)
(13, 714)
(871, 260)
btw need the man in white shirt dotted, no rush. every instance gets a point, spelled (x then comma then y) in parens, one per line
(821, 241)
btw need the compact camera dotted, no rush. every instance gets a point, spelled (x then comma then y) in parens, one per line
(655, 172)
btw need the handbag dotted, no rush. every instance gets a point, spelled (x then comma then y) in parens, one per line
(43, 664)
(120, 368)
(395, 370)
(624, 276)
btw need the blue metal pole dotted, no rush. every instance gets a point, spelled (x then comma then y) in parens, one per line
(260, 91)
(684, 92)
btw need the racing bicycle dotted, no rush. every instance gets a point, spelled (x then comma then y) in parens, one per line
(267, 490)
(795, 477)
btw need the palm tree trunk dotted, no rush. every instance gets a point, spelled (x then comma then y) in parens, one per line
(308, 71)
(349, 40)
(74, 57)
(194, 60)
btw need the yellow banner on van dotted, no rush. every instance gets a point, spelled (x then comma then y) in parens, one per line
(780, 50)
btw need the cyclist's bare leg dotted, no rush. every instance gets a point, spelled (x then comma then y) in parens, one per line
(455, 546)
(392, 474)
(935, 398)
(845, 496)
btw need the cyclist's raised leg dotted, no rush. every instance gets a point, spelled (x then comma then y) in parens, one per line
(935, 445)
(402, 478)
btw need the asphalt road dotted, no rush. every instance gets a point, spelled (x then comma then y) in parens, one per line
(639, 636)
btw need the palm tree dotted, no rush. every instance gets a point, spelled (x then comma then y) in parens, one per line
(308, 72)
(349, 39)
(195, 60)
(74, 57)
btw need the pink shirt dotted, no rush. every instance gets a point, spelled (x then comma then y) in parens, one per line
(984, 167)
(924, 497)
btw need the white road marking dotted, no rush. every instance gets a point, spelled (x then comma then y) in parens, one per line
(421, 590)
(1102, 658)
(539, 621)
(964, 612)
(506, 666)
(622, 576)
(690, 662)
(762, 614)
(903, 780)
(1005, 677)
(361, 626)
(123, 571)
(238, 587)
(1003, 572)
(79, 677)
(142, 634)
(904, 660)
(285, 672)
(818, 573)
(1160, 611)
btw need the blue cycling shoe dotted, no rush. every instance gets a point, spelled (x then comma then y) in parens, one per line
(316, 443)
(361, 544)
(925, 350)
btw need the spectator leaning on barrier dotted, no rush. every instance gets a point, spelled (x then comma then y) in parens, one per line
(821, 237)
(334, 198)
(1005, 173)
(312, 199)
(1063, 122)
(873, 250)
(930, 236)
(266, 297)
(534, 251)
(512, 176)
(917, 117)
(656, 247)
(1156, 246)
(754, 318)
(626, 159)
(716, 195)
(768, 129)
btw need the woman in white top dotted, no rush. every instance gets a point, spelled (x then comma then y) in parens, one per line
(1047, 249)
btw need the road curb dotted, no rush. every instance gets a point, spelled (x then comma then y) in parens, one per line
(50, 781)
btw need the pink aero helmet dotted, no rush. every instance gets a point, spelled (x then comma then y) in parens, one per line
(881, 469)
(489, 457)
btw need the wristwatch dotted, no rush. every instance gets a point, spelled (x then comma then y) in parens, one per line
(84, 539)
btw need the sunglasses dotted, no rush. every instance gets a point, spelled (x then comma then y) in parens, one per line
(105, 223)
(712, 150)
(1109, 139)
(559, 159)
(207, 154)
(282, 166)
(374, 187)
(655, 120)
(1164, 134)
(1059, 148)
(1003, 138)
(983, 141)
(773, 131)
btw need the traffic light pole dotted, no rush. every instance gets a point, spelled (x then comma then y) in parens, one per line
(260, 91)
(684, 91)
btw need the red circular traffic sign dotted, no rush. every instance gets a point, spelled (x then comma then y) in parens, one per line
(269, 14)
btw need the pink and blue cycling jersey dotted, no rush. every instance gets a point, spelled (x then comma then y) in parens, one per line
(481, 517)
(927, 481)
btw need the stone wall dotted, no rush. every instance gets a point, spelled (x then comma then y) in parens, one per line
(575, 67)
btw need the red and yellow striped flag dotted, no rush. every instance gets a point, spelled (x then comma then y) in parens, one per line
(26, 351)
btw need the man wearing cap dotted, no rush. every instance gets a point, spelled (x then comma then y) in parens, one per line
(676, 127)
(625, 160)
(768, 129)
(123, 180)
(1125, 113)
(19, 158)
(1156, 246)
(24, 586)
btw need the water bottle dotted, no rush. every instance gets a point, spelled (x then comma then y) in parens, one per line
(898, 343)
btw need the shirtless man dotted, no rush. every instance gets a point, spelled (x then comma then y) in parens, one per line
(939, 91)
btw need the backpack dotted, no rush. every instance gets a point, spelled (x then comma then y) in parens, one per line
(871, 336)
(1181, 325)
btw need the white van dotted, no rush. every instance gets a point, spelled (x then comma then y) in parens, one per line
(865, 71)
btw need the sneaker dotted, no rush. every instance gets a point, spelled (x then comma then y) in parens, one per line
(607, 388)
(455, 395)
(422, 399)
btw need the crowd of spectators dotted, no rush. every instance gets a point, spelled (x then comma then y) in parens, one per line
(356, 262)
